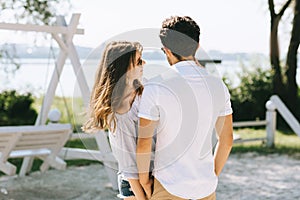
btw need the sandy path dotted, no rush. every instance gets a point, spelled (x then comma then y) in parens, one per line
(250, 176)
(246, 176)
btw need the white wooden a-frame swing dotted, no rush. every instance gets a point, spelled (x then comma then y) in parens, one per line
(63, 34)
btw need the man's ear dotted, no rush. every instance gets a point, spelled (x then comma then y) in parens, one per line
(168, 52)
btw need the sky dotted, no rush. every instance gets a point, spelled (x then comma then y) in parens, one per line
(228, 26)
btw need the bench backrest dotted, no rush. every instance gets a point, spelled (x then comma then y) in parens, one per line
(51, 137)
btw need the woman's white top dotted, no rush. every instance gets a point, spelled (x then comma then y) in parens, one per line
(123, 141)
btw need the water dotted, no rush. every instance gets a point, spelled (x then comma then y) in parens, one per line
(34, 75)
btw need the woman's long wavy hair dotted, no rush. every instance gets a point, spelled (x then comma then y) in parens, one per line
(110, 83)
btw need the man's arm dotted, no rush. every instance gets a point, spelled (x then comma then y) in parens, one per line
(225, 133)
(143, 153)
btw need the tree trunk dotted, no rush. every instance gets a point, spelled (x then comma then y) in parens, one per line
(278, 86)
(292, 88)
(274, 57)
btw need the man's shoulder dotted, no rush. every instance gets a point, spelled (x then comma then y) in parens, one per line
(161, 80)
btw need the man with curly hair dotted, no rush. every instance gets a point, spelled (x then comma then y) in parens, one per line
(185, 106)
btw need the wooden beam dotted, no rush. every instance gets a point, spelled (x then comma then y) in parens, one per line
(286, 114)
(250, 140)
(38, 28)
(86, 154)
(49, 96)
(65, 43)
(205, 61)
(250, 123)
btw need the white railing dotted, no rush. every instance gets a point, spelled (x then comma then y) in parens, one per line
(250, 123)
(273, 105)
(286, 114)
(238, 139)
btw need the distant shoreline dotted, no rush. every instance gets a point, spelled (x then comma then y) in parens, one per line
(24, 51)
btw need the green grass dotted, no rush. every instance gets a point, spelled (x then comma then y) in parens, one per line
(72, 110)
(83, 144)
(285, 143)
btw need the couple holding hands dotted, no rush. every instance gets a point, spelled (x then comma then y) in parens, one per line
(161, 130)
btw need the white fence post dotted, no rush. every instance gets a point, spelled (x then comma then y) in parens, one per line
(271, 123)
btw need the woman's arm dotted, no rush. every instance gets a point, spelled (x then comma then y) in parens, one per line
(137, 189)
(143, 153)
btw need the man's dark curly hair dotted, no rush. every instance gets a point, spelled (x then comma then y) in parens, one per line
(180, 35)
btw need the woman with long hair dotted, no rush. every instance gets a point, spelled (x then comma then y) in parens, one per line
(114, 106)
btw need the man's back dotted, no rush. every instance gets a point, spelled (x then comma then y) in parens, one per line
(186, 104)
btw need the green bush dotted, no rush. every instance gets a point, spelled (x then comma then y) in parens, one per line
(249, 98)
(16, 109)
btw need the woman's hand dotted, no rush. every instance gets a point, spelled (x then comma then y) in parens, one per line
(147, 186)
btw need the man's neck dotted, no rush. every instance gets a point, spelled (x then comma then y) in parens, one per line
(189, 58)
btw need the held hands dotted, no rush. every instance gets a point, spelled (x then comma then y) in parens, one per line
(147, 186)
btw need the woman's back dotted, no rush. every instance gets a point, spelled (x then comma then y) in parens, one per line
(123, 140)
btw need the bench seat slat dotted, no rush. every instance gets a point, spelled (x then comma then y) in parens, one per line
(31, 134)
(39, 141)
(34, 147)
(25, 153)
(41, 137)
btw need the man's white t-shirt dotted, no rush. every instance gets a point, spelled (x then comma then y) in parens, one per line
(186, 101)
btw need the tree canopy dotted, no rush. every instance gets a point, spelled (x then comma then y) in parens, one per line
(31, 11)
(42, 12)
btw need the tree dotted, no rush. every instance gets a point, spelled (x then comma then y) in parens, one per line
(16, 109)
(284, 84)
(7, 55)
(278, 86)
(291, 64)
(34, 11)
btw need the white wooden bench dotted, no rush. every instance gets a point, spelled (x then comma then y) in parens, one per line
(29, 142)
